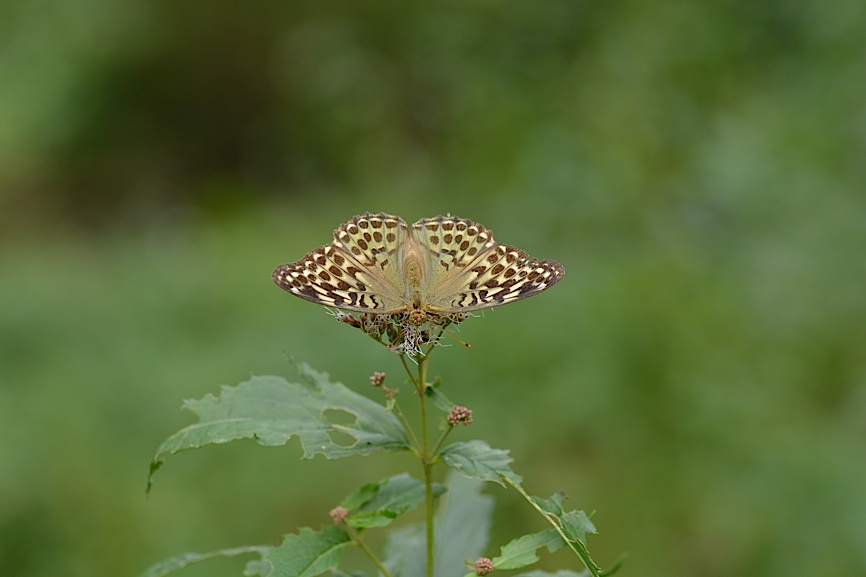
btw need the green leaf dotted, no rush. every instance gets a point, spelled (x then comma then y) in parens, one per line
(462, 528)
(572, 527)
(185, 559)
(462, 525)
(434, 393)
(385, 501)
(405, 551)
(360, 496)
(552, 505)
(341, 573)
(577, 526)
(370, 519)
(477, 460)
(399, 492)
(306, 554)
(272, 410)
(523, 551)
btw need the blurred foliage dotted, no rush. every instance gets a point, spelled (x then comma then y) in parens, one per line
(698, 377)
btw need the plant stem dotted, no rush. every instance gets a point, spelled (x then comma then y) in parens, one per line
(427, 460)
(409, 371)
(371, 555)
(412, 439)
(439, 443)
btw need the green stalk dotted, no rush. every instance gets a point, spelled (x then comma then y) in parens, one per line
(441, 441)
(412, 439)
(427, 460)
(363, 546)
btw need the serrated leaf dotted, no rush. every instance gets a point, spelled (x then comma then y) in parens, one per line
(477, 460)
(306, 554)
(576, 525)
(387, 500)
(360, 496)
(569, 526)
(522, 551)
(552, 505)
(272, 410)
(400, 491)
(370, 519)
(185, 559)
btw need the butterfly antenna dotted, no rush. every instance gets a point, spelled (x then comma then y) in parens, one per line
(458, 339)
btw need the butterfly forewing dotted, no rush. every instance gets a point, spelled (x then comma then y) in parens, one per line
(506, 275)
(450, 245)
(356, 272)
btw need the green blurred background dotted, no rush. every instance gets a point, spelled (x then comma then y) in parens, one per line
(698, 378)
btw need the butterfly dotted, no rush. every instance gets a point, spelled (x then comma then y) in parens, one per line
(435, 268)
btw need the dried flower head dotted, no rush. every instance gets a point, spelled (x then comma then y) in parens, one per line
(402, 333)
(459, 415)
(338, 514)
(377, 379)
(344, 317)
(483, 566)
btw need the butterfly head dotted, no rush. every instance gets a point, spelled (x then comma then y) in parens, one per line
(417, 317)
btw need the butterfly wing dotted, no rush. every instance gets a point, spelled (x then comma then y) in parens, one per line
(360, 271)
(468, 270)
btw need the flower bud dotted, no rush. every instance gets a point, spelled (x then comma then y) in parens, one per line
(459, 415)
(338, 514)
(483, 566)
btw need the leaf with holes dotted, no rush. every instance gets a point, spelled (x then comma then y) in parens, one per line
(327, 417)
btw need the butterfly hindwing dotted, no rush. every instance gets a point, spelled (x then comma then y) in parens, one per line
(499, 275)
(508, 274)
(451, 245)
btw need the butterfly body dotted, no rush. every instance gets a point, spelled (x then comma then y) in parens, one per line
(413, 275)
(436, 267)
